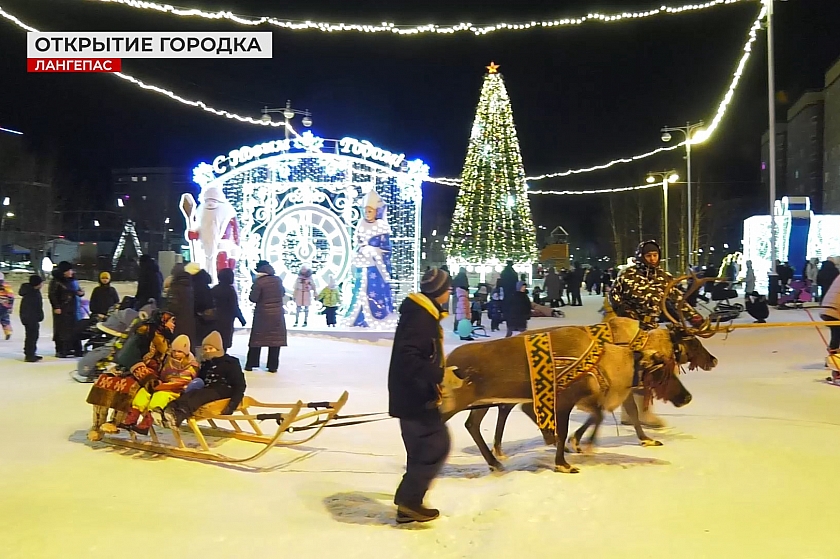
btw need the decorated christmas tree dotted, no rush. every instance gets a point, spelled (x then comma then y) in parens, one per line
(492, 221)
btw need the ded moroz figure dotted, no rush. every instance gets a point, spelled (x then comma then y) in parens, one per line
(212, 230)
(372, 300)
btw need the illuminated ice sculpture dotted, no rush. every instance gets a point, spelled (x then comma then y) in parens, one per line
(299, 201)
(800, 235)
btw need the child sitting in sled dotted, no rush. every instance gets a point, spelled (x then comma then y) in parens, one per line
(222, 378)
(179, 368)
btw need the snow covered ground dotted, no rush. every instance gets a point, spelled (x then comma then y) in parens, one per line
(748, 469)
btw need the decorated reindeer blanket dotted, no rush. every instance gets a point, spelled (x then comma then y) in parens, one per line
(551, 373)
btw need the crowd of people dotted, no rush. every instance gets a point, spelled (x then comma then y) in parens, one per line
(186, 293)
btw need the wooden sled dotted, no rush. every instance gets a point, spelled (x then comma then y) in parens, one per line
(290, 418)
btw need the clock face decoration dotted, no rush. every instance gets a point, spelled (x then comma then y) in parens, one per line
(308, 235)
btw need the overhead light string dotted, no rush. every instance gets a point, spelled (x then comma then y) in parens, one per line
(396, 29)
(172, 95)
(698, 138)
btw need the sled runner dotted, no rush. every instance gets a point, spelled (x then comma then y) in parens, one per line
(244, 425)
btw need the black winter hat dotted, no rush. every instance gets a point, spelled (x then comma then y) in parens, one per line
(435, 283)
(649, 246)
(35, 281)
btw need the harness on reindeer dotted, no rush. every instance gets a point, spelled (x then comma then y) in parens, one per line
(551, 374)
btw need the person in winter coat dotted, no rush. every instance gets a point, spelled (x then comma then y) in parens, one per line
(830, 312)
(606, 281)
(518, 310)
(269, 326)
(553, 291)
(826, 276)
(222, 379)
(180, 301)
(205, 312)
(149, 282)
(574, 285)
(330, 297)
(104, 296)
(31, 316)
(494, 310)
(462, 308)
(749, 279)
(415, 372)
(460, 281)
(7, 303)
(304, 293)
(226, 303)
(638, 293)
(64, 294)
(178, 369)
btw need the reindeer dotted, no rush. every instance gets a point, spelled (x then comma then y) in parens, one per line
(678, 344)
(497, 372)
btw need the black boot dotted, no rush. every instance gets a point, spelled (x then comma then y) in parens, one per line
(417, 513)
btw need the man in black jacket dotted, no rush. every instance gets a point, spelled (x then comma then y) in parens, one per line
(416, 370)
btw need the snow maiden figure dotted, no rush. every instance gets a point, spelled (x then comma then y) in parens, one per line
(372, 303)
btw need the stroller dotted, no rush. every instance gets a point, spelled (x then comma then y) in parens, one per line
(114, 334)
(725, 310)
(93, 331)
(795, 296)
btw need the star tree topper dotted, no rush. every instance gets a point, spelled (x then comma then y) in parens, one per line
(493, 68)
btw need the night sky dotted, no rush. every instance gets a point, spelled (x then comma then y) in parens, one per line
(580, 96)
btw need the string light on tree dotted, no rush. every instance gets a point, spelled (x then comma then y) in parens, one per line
(492, 221)
(395, 29)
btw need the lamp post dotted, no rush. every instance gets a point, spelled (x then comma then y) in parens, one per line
(688, 132)
(667, 177)
(773, 288)
(288, 114)
(6, 213)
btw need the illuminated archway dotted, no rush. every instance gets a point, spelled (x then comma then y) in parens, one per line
(298, 202)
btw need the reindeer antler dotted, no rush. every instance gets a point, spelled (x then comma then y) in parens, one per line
(664, 301)
(705, 330)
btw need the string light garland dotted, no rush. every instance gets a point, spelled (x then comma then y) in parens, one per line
(595, 191)
(404, 30)
(172, 95)
(698, 138)
(492, 220)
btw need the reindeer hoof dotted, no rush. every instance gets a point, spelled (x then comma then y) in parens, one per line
(587, 448)
(93, 435)
(500, 454)
(497, 467)
(574, 444)
(566, 469)
(651, 442)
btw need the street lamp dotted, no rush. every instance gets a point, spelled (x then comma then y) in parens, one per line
(690, 137)
(6, 213)
(667, 177)
(288, 114)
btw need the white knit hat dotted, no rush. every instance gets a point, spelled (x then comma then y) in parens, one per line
(181, 343)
